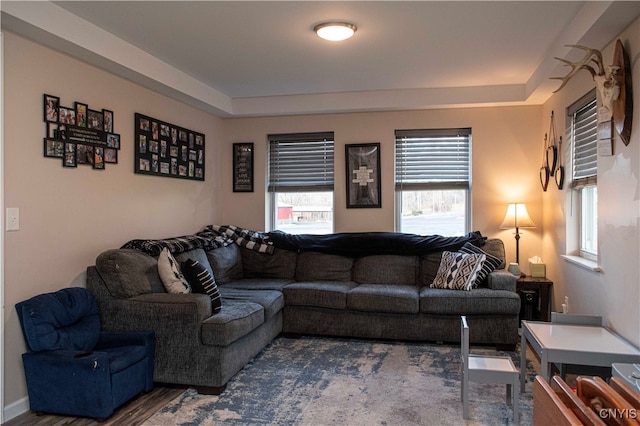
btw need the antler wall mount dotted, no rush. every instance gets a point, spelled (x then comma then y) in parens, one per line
(613, 84)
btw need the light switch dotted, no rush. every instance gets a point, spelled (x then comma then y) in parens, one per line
(13, 219)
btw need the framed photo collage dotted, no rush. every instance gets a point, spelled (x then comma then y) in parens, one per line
(78, 135)
(164, 149)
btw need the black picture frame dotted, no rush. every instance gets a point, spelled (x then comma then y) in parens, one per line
(111, 155)
(107, 120)
(95, 120)
(81, 114)
(81, 154)
(98, 158)
(50, 108)
(164, 149)
(243, 154)
(69, 159)
(362, 162)
(53, 148)
(67, 115)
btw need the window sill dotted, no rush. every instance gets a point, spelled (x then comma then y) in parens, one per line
(590, 265)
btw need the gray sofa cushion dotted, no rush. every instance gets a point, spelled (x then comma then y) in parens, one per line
(386, 269)
(429, 265)
(272, 301)
(495, 247)
(384, 298)
(321, 294)
(226, 263)
(199, 255)
(313, 266)
(280, 264)
(129, 273)
(475, 301)
(236, 319)
(258, 283)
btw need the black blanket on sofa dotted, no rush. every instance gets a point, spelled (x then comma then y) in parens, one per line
(358, 244)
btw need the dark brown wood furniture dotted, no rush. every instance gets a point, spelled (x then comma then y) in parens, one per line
(535, 294)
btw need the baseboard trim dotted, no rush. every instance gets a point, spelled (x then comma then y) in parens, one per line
(15, 409)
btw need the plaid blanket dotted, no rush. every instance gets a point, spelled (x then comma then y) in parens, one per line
(179, 244)
(252, 240)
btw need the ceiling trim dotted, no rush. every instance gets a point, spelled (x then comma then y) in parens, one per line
(46, 23)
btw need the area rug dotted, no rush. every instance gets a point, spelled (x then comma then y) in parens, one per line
(331, 381)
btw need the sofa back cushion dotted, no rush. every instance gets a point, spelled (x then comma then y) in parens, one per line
(429, 263)
(226, 263)
(280, 264)
(129, 273)
(386, 269)
(495, 247)
(314, 266)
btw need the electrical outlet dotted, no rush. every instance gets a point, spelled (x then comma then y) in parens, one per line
(13, 219)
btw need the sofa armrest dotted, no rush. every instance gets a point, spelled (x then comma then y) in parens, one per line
(163, 313)
(501, 279)
(109, 339)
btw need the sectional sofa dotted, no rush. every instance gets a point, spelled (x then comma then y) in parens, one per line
(374, 285)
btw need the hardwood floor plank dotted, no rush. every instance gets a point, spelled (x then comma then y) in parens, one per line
(133, 413)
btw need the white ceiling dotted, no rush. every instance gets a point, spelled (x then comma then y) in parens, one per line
(241, 58)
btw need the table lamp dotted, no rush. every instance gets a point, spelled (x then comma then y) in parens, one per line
(517, 217)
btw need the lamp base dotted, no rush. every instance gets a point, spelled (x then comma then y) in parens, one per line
(514, 268)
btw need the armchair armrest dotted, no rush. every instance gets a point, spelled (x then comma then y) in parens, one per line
(69, 382)
(126, 338)
(501, 279)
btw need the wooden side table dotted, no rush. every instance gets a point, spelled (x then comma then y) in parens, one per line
(540, 288)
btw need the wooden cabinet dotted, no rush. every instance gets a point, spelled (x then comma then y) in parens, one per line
(535, 298)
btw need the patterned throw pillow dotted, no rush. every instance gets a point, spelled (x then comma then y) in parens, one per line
(202, 282)
(170, 275)
(458, 271)
(490, 264)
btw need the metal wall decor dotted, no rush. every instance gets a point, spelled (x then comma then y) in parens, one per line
(363, 175)
(79, 135)
(164, 149)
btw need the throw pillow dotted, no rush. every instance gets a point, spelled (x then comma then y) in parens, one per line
(458, 271)
(170, 274)
(202, 282)
(491, 263)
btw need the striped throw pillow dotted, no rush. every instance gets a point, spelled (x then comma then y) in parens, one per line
(491, 263)
(202, 282)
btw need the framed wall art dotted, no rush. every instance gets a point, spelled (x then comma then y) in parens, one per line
(164, 149)
(243, 167)
(79, 135)
(363, 175)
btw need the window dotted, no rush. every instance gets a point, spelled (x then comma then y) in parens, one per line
(583, 134)
(433, 181)
(300, 182)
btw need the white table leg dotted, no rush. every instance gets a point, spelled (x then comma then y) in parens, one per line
(544, 366)
(523, 360)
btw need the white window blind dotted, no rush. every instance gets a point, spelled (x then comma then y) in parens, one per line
(433, 159)
(584, 134)
(301, 162)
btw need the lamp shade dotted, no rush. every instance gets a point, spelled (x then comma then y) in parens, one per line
(517, 217)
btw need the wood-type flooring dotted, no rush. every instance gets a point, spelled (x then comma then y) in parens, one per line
(135, 412)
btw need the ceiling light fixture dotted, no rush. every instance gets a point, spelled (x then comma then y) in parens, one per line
(335, 31)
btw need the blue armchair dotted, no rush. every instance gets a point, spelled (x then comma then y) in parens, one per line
(74, 368)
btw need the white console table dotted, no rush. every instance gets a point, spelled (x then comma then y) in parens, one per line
(572, 344)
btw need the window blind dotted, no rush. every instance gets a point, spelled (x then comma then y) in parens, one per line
(301, 162)
(584, 134)
(433, 159)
